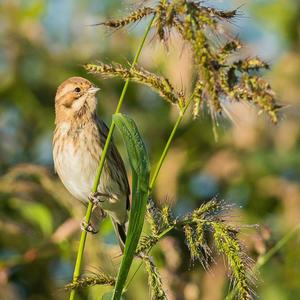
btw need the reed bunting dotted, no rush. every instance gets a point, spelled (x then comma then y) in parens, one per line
(78, 142)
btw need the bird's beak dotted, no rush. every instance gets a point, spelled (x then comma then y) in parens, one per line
(93, 90)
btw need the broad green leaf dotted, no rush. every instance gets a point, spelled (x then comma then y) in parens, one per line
(140, 166)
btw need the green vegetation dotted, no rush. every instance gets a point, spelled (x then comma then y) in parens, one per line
(190, 56)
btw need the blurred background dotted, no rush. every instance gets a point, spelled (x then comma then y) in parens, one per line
(254, 164)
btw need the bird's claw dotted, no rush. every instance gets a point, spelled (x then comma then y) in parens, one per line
(84, 226)
(95, 198)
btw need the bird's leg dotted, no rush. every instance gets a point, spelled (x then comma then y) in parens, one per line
(88, 227)
(95, 198)
(102, 213)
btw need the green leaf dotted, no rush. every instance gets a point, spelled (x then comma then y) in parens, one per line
(140, 166)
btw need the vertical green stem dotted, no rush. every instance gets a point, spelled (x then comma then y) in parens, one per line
(168, 144)
(81, 247)
(158, 167)
(164, 153)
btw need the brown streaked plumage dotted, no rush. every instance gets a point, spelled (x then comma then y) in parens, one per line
(78, 141)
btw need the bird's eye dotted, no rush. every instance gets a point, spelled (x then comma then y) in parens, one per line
(77, 90)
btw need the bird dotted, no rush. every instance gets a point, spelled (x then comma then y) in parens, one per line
(78, 141)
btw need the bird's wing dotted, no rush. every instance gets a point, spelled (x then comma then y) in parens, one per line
(116, 159)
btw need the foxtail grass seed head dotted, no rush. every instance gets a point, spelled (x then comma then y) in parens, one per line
(146, 243)
(166, 216)
(230, 47)
(192, 245)
(158, 83)
(153, 216)
(227, 244)
(154, 279)
(220, 77)
(198, 98)
(134, 17)
(209, 220)
(87, 281)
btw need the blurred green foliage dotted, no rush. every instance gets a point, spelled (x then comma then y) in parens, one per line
(254, 165)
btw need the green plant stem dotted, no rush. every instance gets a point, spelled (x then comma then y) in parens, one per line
(81, 247)
(164, 153)
(158, 168)
(168, 144)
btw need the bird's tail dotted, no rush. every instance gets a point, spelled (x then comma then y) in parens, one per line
(120, 231)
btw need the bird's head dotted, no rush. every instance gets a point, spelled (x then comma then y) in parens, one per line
(75, 97)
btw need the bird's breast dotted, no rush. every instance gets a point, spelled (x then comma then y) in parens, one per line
(76, 155)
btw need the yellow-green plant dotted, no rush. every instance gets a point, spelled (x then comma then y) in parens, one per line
(217, 77)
